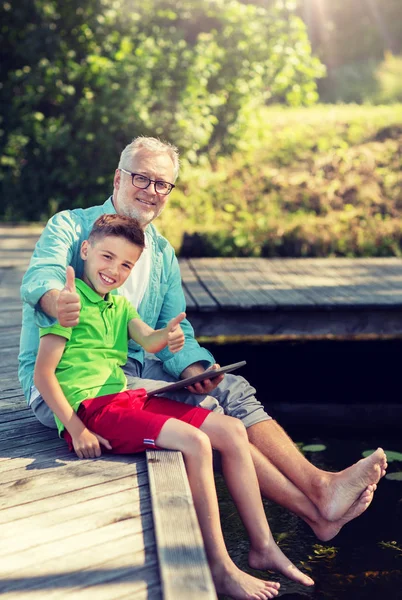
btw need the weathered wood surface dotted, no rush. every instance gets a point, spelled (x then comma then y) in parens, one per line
(70, 528)
(182, 559)
(257, 296)
(294, 297)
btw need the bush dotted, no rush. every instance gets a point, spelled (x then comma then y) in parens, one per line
(318, 182)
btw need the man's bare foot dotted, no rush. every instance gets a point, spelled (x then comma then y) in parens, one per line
(233, 582)
(272, 557)
(326, 530)
(336, 492)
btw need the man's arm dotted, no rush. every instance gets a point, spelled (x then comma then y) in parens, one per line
(194, 359)
(153, 340)
(172, 304)
(86, 444)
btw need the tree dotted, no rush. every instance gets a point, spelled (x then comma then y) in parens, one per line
(80, 81)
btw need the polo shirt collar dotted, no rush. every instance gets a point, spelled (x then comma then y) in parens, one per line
(91, 295)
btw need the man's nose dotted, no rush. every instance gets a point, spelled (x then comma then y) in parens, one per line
(151, 189)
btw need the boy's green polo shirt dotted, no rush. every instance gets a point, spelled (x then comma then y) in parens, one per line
(96, 348)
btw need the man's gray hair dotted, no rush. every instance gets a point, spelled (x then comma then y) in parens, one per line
(152, 145)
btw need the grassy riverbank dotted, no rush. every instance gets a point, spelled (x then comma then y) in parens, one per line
(316, 181)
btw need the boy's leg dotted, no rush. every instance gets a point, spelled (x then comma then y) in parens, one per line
(229, 436)
(197, 452)
(333, 494)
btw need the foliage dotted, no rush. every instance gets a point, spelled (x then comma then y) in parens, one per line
(351, 39)
(389, 80)
(314, 448)
(323, 181)
(369, 81)
(78, 83)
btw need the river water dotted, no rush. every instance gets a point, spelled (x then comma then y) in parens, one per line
(364, 561)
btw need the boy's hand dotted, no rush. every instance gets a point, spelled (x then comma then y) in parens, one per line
(68, 302)
(175, 341)
(87, 444)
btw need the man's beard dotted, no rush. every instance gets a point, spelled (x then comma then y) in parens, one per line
(143, 217)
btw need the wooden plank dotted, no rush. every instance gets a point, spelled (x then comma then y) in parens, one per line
(9, 356)
(277, 283)
(326, 278)
(32, 449)
(199, 297)
(21, 442)
(182, 560)
(12, 404)
(71, 495)
(10, 334)
(64, 477)
(238, 278)
(17, 429)
(60, 523)
(10, 318)
(30, 233)
(25, 417)
(218, 287)
(60, 573)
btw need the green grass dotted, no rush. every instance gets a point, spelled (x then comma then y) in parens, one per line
(319, 181)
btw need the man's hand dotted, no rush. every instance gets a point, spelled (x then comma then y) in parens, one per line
(202, 387)
(87, 444)
(175, 339)
(68, 303)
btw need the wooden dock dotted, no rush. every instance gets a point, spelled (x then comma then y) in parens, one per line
(307, 297)
(109, 528)
(86, 529)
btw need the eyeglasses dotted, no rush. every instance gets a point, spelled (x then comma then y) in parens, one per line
(142, 182)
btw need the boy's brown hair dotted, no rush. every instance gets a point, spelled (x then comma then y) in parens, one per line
(117, 226)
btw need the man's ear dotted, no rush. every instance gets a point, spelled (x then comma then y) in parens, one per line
(116, 180)
(84, 250)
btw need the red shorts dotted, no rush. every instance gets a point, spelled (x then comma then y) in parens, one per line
(130, 421)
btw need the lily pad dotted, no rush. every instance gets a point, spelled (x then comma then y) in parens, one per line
(314, 448)
(394, 476)
(391, 455)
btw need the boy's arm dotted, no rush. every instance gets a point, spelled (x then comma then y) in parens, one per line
(86, 444)
(153, 340)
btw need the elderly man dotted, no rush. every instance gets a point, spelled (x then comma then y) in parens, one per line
(143, 181)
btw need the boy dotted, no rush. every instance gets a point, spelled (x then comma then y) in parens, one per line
(78, 373)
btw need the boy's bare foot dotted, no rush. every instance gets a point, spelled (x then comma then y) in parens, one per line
(336, 492)
(326, 530)
(272, 557)
(233, 582)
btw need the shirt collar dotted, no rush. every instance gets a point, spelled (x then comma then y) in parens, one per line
(91, 295)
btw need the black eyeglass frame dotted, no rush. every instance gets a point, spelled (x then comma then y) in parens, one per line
(154, 181)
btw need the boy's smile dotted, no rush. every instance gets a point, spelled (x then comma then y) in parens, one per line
(108, 262)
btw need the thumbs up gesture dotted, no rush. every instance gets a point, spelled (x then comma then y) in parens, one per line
(68, 302)
(175, 335)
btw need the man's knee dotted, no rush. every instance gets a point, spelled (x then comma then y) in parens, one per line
(237, 398)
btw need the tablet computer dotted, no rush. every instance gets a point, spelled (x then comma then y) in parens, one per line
(182, 383)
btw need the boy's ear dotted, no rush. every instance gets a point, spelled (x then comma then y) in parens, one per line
(84, 250)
